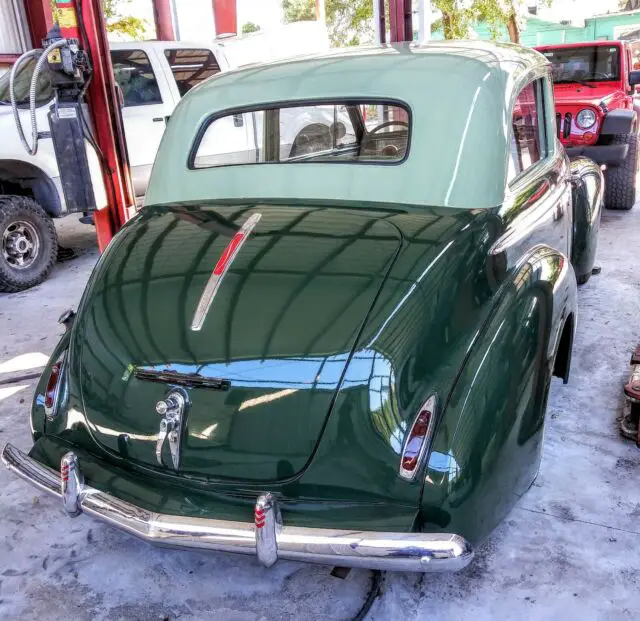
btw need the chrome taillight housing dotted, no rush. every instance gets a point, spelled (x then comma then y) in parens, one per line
(54, 391)
(418, 439)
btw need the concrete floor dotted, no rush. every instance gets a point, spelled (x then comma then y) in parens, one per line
(568, 550)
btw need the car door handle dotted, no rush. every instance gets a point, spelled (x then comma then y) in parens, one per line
(158, 119)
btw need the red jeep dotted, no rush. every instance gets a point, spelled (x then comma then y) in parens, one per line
(594, 84)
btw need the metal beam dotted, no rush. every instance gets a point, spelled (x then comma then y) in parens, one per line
(400, 20)
(424, 20)
(225, 16)
(40, 19)
(107, 122)
(162, 11)
(379, 21)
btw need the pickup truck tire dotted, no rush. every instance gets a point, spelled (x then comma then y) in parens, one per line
(28, 243)
(620, 181)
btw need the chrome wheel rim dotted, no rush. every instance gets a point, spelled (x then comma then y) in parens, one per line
(20, 244)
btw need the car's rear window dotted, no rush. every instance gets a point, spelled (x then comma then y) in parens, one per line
(369, 131)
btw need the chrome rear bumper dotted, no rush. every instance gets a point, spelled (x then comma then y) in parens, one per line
(267, 538)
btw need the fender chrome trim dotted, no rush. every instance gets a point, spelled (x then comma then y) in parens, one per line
(422, 552)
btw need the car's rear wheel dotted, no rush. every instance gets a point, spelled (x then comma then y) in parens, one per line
(28, 243)
(620, 181)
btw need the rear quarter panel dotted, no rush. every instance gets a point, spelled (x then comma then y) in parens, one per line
(487, 447)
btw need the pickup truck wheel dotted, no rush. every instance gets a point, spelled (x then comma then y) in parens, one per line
(28, 243)
(620, 181)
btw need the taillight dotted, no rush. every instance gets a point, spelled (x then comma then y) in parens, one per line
(418, 440)
(53, 391)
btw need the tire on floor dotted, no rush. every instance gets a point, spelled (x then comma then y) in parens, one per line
(620, 181)
(28, 243)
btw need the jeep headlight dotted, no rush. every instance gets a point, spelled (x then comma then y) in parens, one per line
(586, 118)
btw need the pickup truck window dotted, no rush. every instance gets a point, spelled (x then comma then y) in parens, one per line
(23, 82)
(190, 67)
(135, 77)
(593, 63)
(527, 144)
(335, 132)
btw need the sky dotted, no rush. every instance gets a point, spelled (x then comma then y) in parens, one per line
(195, 17)
(574, 10)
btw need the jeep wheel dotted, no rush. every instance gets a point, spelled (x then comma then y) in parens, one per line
(584, 279)
(28, 243)
(620, 181)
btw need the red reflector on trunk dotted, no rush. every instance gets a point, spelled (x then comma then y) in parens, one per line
(417, 440)
(220, 269)
(227, 255)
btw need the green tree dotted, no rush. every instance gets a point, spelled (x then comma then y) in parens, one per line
(456, 20)
(349, 22)
(458, 17)
(299, 10)
(134, 27)
(250, 27)
(497, 14)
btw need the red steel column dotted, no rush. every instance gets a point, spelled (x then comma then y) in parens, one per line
(107, 122)
(381, 26)
(400, 20)
(39, 18)
(225, 16)
(164, 23)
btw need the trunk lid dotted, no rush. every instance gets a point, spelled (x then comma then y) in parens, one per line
(280, 330)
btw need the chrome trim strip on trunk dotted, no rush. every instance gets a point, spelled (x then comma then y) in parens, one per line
(220, 269)
(423, 552)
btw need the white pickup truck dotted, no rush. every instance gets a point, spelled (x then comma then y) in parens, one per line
(152, 76)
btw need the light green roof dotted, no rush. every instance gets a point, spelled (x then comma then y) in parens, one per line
(459, 94)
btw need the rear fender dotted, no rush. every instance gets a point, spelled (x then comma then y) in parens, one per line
(487, 446)
(587, 185)
(37, 419)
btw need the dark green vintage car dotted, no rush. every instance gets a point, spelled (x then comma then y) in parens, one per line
(330, 333)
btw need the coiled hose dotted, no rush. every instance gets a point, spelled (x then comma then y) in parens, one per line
(32, 148)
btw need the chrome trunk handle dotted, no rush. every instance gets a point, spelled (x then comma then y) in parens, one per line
(172, 410)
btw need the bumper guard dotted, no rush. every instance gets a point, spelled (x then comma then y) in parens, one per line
(267, 537)
(612, 154)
